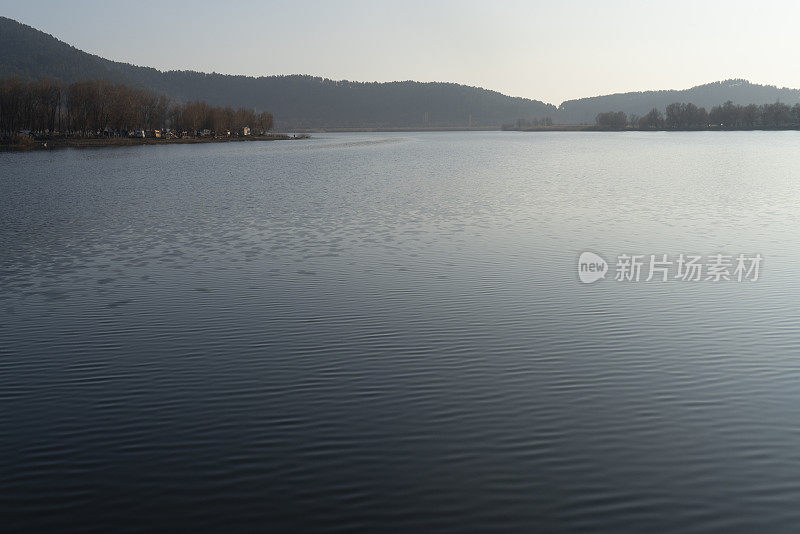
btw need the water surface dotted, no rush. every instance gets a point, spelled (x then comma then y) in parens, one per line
(386, 332)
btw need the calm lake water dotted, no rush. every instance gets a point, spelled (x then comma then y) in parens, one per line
(386, 332)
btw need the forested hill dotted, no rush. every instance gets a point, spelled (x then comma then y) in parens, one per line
(295, 101)
(299, 101)
(584, 110)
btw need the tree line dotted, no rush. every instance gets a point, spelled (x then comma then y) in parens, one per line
(522, 124)
(728, 116)
(102, 108)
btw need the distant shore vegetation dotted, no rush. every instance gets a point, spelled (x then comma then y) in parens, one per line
(684, 117)
(32, 111)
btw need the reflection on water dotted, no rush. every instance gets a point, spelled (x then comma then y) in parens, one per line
(386, 332)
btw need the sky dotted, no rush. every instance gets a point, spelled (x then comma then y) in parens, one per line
(550, 51)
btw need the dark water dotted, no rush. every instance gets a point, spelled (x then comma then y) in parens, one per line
(385, 332)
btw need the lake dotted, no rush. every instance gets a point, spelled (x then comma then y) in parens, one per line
(387, 332)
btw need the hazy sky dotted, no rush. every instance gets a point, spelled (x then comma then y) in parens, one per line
(550, 51)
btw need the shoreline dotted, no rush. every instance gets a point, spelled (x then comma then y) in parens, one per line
(398, 129)
(593, 128)
(102, 142)
(554, 128)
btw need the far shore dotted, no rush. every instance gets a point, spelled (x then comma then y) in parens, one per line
(29, 143)
(553, 128)
(334, 129)
(595, 128)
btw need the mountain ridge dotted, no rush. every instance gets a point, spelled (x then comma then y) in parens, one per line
(297, 101)
(305, 101)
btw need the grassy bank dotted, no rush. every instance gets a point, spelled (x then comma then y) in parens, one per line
(29, 143)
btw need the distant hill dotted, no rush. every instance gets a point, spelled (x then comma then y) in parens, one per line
(584, 110)
(299, 101)
(296, 101)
